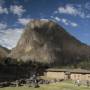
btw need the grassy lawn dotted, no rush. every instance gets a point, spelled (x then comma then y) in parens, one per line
(54, 86)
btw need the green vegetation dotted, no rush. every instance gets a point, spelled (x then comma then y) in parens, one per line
(66, 85)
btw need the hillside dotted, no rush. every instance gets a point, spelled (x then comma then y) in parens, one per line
(47, 42)
(3, 53)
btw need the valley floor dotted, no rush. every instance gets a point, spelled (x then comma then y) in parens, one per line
(65, 85)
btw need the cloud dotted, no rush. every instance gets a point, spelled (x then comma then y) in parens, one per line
(24, 21)
(74, 24)
(68, 22)
(88, 16)
(73, 10)
(68, 9)
(64, 21)
(3, 26)
(10, 37)
(3, 10)
(57, 19)
(44, 19)
(17, 10)
(87, 5)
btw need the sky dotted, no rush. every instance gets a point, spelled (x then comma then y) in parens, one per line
(73, 15)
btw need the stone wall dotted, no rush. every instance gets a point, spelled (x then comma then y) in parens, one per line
(55, 75)
(75, 76)
(62, 75)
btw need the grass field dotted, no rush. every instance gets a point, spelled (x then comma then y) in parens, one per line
(54, 86)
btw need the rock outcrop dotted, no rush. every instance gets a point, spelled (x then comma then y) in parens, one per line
(47, 42)
(3, 53)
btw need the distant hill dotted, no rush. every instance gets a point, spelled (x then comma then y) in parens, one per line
(3, 53)
(47, 42)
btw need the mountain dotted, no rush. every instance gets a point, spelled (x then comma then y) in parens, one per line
(3, 53)
(47, 42)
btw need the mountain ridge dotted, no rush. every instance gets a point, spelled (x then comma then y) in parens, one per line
(3, 53)
(46, 41)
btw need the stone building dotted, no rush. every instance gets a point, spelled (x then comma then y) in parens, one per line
(73, 74)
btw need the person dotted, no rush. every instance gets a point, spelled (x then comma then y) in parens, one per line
(77, 82)
(87, 82)
(34, 81)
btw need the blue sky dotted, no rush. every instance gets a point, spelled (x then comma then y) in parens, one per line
(73, 15)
